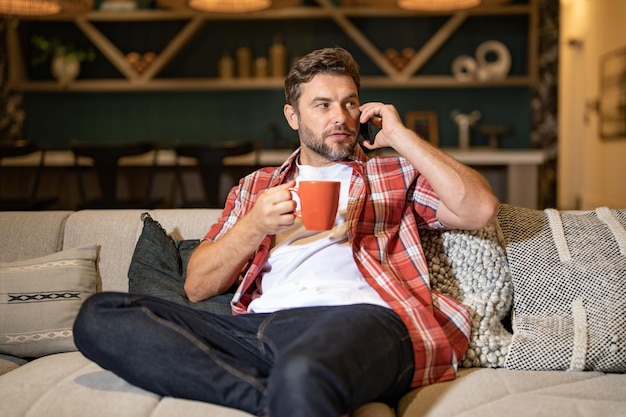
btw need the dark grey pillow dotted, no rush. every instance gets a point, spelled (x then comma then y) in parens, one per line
(159, 266)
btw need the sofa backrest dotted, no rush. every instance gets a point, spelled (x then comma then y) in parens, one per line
(27, 235)
(31, 234)
(116, 233)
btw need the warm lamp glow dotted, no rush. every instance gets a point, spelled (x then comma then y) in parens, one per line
(29, 7)
(44, 7)
(229, 6)
(433, 5)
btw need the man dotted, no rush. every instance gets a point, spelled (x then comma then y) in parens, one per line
(324, 321)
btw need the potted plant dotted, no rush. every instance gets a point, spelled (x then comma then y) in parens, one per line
(65, 59)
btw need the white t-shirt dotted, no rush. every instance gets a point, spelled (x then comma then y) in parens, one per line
(311, 268)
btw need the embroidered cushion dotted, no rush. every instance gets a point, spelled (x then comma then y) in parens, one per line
(39, 300)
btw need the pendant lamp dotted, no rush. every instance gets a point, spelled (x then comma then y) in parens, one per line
(435, 5)
(228, 6)
(44, 7)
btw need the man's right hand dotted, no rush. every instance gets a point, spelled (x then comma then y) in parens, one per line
(273, 211)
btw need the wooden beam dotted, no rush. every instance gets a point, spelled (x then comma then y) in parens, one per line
(173, 47)
(113, 54)
(357, 36)
(434, 43)
(533, 43)
(15, 63)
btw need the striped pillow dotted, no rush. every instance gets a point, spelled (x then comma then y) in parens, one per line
(39, 300)
(569, 275)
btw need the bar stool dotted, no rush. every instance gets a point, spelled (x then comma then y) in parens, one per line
(106, 166)
(30, 201)
(210, 164)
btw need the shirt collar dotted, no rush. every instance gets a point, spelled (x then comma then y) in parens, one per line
(288, 169)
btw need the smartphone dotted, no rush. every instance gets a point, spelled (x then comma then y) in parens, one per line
(366, 132)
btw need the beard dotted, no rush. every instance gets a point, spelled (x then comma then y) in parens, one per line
(335, 152)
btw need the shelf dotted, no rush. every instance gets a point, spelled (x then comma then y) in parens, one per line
(205, 84)
(194, 22)
(303, 12)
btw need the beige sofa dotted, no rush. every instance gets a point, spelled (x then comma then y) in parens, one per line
(65, 384)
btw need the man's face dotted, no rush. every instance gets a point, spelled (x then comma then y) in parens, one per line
(326, 119)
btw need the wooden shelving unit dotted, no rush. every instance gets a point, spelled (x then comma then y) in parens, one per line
(149, 80)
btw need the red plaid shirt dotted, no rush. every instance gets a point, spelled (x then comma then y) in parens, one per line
(389, 200)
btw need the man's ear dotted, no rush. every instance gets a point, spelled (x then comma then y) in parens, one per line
(291, 116)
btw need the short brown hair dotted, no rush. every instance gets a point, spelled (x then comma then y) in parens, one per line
(322, 61)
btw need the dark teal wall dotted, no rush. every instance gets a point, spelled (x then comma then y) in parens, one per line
(215, 116)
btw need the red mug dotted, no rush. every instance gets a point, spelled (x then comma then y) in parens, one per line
(318, 203)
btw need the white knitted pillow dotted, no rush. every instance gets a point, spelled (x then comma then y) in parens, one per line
(471, 266)
(569, 276)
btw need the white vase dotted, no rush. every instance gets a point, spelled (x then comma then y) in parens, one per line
(65, 69)
(496, 68)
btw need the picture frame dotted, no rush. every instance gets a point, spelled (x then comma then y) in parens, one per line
(424, 123)
(612, 101)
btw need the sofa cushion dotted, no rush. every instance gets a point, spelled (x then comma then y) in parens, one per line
(471, 266)
(158, 268)
(69, 385)
(503, 392)
(9, 363)
(116, 233)
(38, 233)
(569, 276)
(39, 300)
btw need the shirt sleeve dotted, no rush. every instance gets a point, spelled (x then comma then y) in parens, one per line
(241, 198)
(426, 202)
(234, 209)
(226, 221)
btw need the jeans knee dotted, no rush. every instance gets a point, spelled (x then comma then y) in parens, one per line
(293, 370)
(90, 322)
(300, 382)
(85, 321)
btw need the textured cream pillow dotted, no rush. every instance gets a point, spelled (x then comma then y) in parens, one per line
(569, 276)
(39, 300)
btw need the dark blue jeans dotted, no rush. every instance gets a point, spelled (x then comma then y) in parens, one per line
(317, 361)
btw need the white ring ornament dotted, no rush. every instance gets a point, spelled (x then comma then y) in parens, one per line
(464, 68)
(493, 69)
